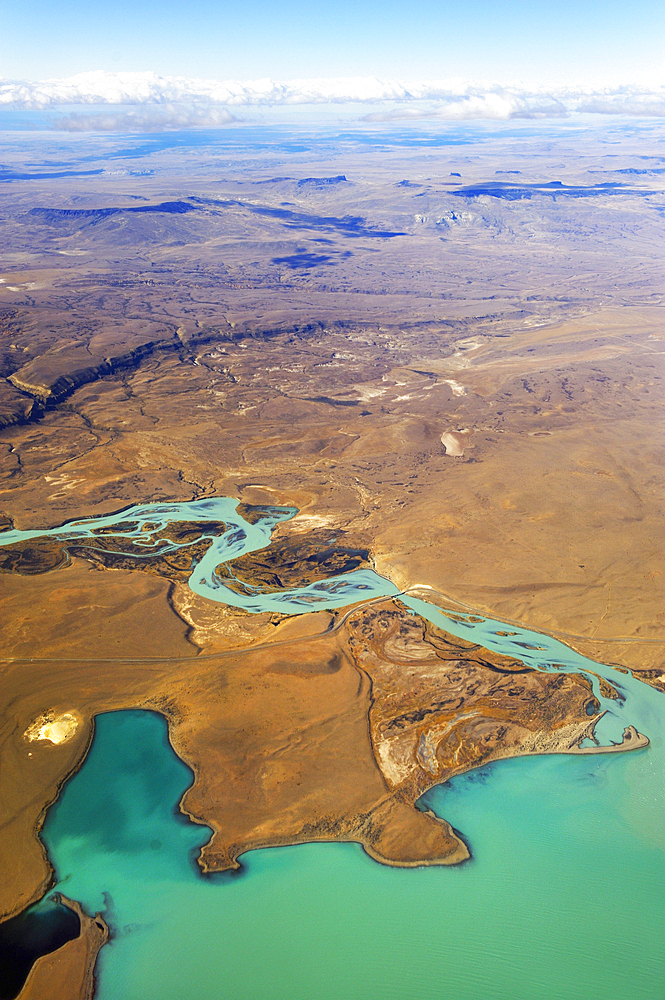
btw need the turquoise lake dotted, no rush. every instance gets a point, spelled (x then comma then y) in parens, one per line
(563, 899)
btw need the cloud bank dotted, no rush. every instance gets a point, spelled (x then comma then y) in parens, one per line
(151, 119)
(452, 100)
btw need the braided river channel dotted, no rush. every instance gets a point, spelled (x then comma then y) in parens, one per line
(563, 899)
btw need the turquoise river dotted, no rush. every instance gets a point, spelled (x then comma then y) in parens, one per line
(564, 898)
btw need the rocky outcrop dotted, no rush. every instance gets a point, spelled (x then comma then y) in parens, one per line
(16, 405)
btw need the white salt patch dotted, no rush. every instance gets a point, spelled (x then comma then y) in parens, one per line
(366, 393)
(454, 442)
(303, 522)
(54, 728)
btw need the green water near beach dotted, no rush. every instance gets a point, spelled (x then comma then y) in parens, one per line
(564, 897)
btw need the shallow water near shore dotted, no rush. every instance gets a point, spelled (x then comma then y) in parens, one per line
(564, 896)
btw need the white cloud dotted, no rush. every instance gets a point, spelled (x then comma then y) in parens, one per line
(150, 119)
(643, 105)
(499, 106)
(453, 99)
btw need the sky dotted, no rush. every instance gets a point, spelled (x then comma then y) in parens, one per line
(570, 42)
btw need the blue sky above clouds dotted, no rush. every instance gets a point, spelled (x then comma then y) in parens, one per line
(204, 63)
(585, 41)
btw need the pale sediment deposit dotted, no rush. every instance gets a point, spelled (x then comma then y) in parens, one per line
(454, 442)
(54, 728)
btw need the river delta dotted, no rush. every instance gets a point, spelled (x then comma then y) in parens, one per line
(331, 565)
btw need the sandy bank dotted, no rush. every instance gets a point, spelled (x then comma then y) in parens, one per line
(68, 973)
